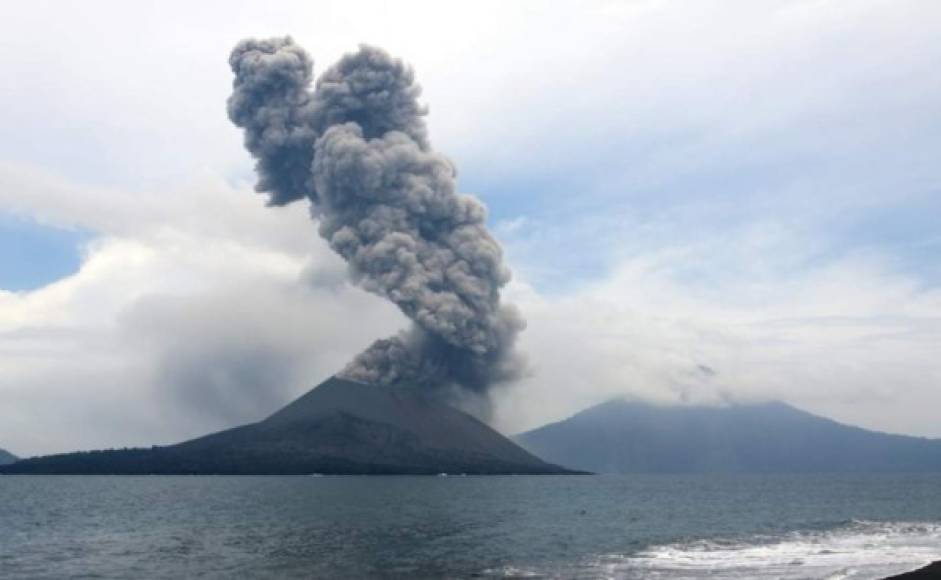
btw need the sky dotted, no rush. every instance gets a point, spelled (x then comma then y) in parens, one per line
(702, 202)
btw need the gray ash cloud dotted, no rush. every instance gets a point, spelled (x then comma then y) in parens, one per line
(355, 144)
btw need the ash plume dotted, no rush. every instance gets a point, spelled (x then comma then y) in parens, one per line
(356, 146)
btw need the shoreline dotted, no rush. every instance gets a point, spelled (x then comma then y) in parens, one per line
(930, 572)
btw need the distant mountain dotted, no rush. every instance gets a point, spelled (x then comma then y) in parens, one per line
(632, 437)
(6, 457)
(339, 427)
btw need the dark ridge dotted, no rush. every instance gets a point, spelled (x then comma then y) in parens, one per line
(339, 427)
(930, 572)
(633, 437)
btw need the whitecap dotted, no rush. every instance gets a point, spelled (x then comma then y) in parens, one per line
(858, 550)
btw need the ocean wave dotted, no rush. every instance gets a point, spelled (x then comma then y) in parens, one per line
(855, 550)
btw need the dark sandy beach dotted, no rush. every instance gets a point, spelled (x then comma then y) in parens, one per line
(929, 572)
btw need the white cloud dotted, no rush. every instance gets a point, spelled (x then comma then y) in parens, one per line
(850, 338)
(681, 171)
(514, 87)
(194, 310)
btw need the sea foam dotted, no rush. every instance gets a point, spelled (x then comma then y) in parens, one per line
(856, 550)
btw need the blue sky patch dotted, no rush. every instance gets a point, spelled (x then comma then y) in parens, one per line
(33, 255)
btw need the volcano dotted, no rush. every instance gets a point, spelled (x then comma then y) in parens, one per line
(339, 427)
(635, 437)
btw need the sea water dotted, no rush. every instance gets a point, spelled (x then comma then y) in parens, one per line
(662, 526)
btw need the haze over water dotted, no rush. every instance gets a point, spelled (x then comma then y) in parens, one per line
(589, 527)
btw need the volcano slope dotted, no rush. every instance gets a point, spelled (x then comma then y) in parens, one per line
(339, 427)
(6, 457)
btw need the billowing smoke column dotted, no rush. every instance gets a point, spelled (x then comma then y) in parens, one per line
(357, 147)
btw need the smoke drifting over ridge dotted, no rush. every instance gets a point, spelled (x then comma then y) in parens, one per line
(357, 147)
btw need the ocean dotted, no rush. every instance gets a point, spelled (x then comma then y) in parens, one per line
(655, 526)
